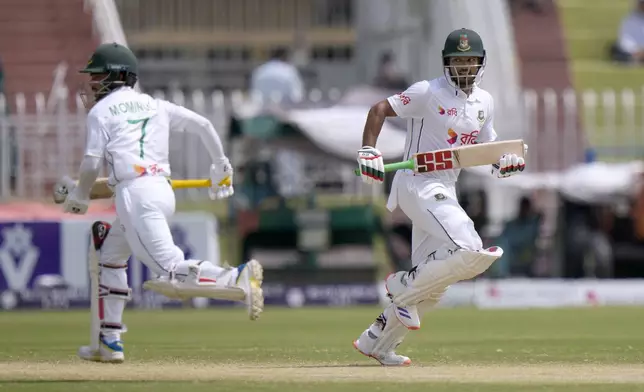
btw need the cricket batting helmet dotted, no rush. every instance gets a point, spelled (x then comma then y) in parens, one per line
(463, 58)
(110, 67)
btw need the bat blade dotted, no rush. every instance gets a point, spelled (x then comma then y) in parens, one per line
(488, 153)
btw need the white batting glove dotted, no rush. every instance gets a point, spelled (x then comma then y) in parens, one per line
(76, 203)
(509, 164)
(62, 188)
(221, 177)
(372, 166)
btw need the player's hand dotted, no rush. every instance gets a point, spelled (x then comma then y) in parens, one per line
(62, 188)
(508, 165)
(221, 177)
(76, 203)
(372, 167)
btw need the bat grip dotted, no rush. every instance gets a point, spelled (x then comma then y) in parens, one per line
(409, 164)
(183, 184)
(399, 166)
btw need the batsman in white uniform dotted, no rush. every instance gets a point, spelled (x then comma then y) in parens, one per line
(446, 112)
(130, 131)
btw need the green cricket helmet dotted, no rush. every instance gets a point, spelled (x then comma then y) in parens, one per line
(110, 67)
(463, 58)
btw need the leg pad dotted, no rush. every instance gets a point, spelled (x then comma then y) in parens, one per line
(432, 278)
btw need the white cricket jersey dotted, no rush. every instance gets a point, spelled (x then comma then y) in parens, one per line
(132, 132)
(440, 117)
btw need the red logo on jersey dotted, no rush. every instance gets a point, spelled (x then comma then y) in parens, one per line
(466, 138)
(469, 138)
(453, 136)
(151, 170)
(450, 112)
(404, 99)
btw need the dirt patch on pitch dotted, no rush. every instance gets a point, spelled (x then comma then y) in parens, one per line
(144, 371)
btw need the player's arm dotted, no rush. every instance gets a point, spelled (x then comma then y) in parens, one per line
(221, 171)
(408, 104)
(375, 120)
(182, 119)
(77, 201)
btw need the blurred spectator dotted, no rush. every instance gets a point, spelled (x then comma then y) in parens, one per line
(474, 203)
(278, 79)
(586, 238)
(290, 174)
(638, 210)
(629, 47)
(334, 12)
(518, 241)
(535, 6)
(388, 76)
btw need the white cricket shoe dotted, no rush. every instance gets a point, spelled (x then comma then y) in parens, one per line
(365, 345)
(250, 278)
(107, 352)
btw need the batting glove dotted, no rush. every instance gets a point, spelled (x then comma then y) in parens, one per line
(76, 203)
(372, 167)
(508, 165)
(221, 178)
(62, 188)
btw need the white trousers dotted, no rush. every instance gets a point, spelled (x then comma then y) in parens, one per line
(143, 207)
(439, 223)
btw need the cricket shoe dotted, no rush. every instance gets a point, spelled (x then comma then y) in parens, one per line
(365, 345)
(408, 315)
(111, 352)
(250, 278)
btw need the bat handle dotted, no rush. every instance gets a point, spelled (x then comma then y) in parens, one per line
(409, 164)
(183, 184)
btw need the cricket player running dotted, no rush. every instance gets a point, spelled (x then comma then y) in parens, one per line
(445, 112)
(130, 131)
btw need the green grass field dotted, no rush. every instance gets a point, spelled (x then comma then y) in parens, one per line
(310, 350)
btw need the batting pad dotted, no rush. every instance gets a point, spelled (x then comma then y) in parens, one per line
(392, 335)
(408, 316)
(435, 276)
(185, 290)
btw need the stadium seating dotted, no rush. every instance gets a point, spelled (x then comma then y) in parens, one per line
(35, 36)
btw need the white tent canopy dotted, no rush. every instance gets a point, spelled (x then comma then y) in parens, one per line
(339, 131)
(595, 182)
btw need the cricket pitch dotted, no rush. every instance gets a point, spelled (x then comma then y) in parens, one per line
(541, 374)
(310, 350)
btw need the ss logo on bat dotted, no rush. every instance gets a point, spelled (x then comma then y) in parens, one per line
(431, 161)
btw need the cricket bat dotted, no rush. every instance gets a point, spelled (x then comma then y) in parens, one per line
(458, 157)
(100, 189)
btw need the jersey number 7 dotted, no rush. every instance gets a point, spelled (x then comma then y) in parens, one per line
(144, 123)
